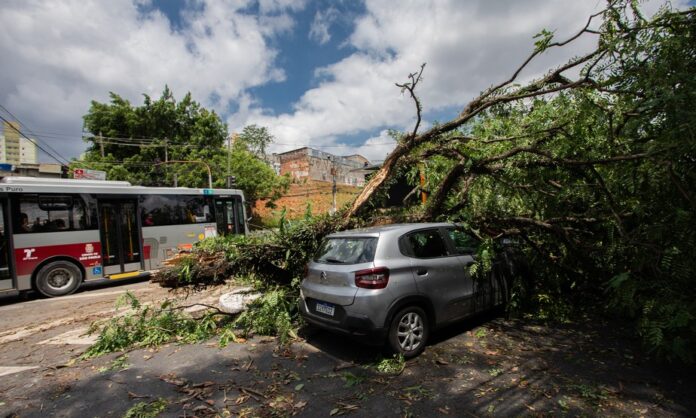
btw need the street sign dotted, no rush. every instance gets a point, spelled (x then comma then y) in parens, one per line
(85, 174)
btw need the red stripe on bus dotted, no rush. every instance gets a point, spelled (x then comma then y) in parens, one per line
(27, 259)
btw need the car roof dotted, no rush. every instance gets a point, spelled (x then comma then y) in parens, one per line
(398, 228)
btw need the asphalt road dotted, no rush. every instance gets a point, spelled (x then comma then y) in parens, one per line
(36, 333)
(486, 366)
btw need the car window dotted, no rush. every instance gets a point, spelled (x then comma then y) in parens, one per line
(463, 242)
(427, 244)
(347, 250)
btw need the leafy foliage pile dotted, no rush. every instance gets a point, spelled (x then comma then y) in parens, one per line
(148, 326)
(593, 172)
(273, 263)
(275, 313)
(276, 257)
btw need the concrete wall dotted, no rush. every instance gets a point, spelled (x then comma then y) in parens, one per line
(307, 163)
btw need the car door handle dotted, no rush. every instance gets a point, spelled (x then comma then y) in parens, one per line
(421, 272)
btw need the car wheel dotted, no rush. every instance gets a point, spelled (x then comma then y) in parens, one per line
(58, 278)
(409, 332)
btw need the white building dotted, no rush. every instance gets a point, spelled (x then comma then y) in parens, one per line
(15, 149)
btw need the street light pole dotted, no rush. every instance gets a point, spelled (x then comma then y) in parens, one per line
(229, 156)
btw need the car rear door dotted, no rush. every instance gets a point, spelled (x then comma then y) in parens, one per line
(438, 273)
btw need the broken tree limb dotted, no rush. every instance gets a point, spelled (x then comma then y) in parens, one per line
(504, 92)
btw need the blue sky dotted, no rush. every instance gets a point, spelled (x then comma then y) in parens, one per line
(318, 73)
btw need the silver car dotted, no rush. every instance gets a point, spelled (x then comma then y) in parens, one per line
(396, 282)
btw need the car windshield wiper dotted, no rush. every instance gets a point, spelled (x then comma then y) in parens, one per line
(333, 260)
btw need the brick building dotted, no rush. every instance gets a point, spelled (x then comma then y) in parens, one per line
(312, 164)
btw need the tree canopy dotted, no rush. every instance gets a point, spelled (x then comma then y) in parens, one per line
(256, 138)
(136, 143)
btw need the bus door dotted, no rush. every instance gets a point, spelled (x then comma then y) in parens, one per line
(229, 215)
(6, 282)
(120, 236)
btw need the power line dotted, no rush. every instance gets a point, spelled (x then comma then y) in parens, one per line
(32, 141)
(151, 143)
(150, 139)
(125, 142)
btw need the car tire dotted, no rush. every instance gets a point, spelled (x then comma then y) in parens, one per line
(409, 331)
(58, 278)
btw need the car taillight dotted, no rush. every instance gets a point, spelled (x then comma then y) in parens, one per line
(376, 278)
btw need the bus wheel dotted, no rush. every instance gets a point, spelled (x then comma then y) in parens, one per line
(58, 278)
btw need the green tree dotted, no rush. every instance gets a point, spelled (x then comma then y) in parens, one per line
(255, 177)
(129, 143)
(257, 139)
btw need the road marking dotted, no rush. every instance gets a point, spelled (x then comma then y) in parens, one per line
(76, 336)
(5, 370)
(19, 333)
(85, 295)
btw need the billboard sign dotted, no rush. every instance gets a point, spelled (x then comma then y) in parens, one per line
(85, 174)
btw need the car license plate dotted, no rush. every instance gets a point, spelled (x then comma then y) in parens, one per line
(325, 308)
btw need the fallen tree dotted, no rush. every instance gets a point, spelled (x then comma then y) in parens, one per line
(589, 167)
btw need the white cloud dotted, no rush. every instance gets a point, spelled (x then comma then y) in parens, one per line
(468, 46)
(319, 30)
(59, 55)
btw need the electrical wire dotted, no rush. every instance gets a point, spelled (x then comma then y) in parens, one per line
(158, 142)
(32, 141)
(65, 160)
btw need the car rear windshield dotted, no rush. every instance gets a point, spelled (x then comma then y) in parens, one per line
(347, 250)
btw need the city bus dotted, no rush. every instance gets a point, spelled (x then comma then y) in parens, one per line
(56, 234)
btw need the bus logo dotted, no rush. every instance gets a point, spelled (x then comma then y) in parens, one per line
(29, 254)
(89, 248)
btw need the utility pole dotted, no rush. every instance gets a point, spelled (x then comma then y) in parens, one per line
(166, 160)
(101, 144)
(333, 186)
(229, 157)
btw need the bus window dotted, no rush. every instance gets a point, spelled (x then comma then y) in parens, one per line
(159, 210)
(240, 215)
(49, 213)
(227, 216)
(196, 209)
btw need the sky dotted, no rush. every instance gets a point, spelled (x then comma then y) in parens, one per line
(315, 73)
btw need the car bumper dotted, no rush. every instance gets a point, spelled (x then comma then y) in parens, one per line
(357, 326)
